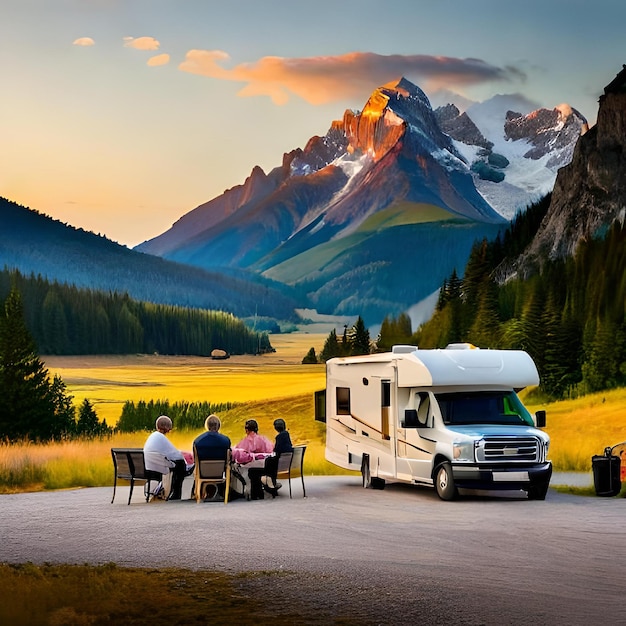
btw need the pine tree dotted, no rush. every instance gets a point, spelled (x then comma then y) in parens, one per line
(64, 412)
(331, 347)
(485, 331)
(359, 338)
(310, 357)
(88, 424)
(27, 401)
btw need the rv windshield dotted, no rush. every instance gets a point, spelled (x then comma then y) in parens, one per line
(483, 407)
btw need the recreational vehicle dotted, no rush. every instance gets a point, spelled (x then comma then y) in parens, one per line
(448, 418)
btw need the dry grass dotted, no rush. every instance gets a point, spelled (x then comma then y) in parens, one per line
(82, 595)
(87, 463)
(583, 427)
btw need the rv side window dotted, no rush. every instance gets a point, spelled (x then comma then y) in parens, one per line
(343, 400)
(423, 409)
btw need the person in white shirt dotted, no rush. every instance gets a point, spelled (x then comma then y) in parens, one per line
(162, 456)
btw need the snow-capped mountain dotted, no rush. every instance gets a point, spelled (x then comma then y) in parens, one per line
(370, 218)
(520, 148)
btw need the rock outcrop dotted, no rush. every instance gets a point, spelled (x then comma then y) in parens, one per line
(460, 127)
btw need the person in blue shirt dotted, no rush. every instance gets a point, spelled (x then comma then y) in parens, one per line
(212, 445)
(282, 445)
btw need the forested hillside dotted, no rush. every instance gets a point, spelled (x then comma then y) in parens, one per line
(31, 242)
(569, 316)
(64, 319)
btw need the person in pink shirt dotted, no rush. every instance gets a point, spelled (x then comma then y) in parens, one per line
(253, 447)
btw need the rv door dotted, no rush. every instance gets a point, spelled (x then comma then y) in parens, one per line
(415, 447)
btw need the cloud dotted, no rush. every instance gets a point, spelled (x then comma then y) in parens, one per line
(159, 59)
(141, 43)
(319, 80)
(84, 41)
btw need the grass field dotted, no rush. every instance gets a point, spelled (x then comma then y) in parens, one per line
(109, 381)
(583, 427)
(267, 386)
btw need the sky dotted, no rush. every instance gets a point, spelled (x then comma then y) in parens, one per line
(120, 116)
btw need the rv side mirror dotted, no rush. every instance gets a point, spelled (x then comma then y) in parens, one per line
(410, 419)
(320, 405)
(540, 419)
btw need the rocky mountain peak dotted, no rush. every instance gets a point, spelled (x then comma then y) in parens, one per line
(460, 127)
(547, 131)
(590, 192)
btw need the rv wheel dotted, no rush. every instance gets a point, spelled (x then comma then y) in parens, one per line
(444, 483)
(365, 471)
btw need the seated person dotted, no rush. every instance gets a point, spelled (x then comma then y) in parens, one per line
(162, 456)
(253, 447)
(283, 445)
(212, 444)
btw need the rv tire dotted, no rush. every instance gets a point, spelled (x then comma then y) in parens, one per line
(444, 482)
(378, 483)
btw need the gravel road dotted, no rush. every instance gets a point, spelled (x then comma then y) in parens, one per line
(394, 556)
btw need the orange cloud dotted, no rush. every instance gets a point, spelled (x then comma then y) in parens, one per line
(159, 59)
(141, 43)
(84, 41)
(319, 80)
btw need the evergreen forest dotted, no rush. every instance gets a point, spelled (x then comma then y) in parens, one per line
(64, 319)
(568, 315)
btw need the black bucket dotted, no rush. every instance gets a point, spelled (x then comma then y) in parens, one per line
(606, 474)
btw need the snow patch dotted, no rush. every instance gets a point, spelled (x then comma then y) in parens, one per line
(423, 310)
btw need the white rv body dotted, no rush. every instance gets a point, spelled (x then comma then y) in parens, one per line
(447, 418)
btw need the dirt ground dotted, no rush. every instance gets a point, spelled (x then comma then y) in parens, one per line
(396, 556)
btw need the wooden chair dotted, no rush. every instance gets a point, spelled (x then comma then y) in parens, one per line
(129, 464)
(211, 472)
(295, 469)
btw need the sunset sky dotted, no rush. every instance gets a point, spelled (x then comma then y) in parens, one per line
(120, 116)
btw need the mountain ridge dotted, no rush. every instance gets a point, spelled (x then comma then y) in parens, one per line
(34, 243)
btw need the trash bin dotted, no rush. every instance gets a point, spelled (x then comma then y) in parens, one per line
(606, 473)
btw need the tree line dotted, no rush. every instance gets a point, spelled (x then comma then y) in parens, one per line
(64, 319)
(355, 340)
(186, 415)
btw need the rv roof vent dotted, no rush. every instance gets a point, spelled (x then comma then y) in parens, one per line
(403, 349)
(461, 346)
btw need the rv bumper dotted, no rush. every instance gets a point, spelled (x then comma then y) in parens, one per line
(495, 478)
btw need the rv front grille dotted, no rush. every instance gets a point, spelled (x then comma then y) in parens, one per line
(508, 449)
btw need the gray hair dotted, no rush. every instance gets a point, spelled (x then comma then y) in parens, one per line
(164, 422)
(212, 423)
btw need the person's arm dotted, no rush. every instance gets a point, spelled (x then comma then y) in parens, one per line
(171, 452)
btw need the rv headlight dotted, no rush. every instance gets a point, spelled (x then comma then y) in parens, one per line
(463, 451)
